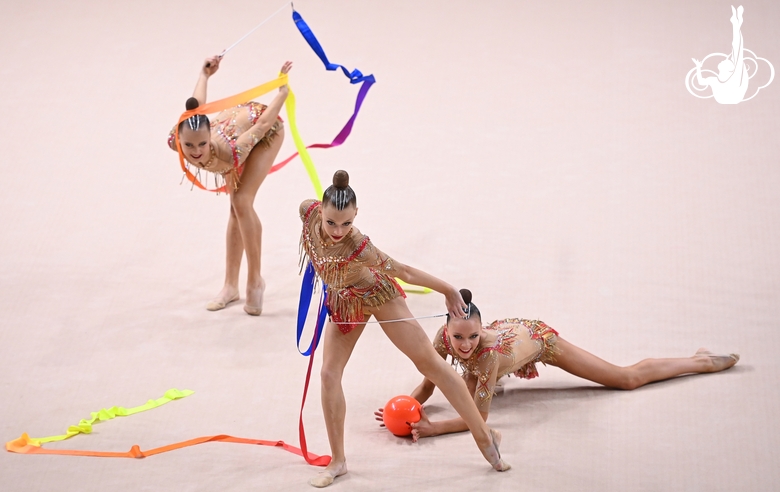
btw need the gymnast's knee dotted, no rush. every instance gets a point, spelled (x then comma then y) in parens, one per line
(241, 206)
(330, 377)
(629, 379)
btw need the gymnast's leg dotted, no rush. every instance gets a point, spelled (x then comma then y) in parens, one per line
(410, 339)
(574, 360)
(336, 349)
(244, 225)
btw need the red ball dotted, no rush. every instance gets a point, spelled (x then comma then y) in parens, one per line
(398, 411)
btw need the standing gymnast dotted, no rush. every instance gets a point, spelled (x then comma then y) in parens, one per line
(240, 145)
(514, 346)
(361, 284)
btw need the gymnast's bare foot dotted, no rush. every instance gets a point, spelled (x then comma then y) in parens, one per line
(329, 474)
(716, 362)
(228, 294)
(254, 299)
(493, 455)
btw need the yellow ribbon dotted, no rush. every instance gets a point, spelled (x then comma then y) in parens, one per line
(85, 426)
(300, 146)
(416, 289)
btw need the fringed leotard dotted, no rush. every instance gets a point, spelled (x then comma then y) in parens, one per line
(514, 347)
(357, 274)
(232, 138)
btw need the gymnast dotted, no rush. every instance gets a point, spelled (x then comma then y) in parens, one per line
(240, 146)
(361, 283)
(513, 346)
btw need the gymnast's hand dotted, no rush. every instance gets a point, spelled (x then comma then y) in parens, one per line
(423, 428)
(380, 416)
(285, 70)
(455, 305)
(211, 65)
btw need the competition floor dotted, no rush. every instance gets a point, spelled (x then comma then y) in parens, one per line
(546, 155)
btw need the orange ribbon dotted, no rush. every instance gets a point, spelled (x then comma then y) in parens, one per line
(220, 105)
(23, 445)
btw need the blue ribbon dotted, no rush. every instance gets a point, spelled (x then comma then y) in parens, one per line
(307, 290)
(307, 286)
(355, 76)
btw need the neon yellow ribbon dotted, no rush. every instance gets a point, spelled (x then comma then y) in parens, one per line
(299, 145)
(416, 289)
(85, 426)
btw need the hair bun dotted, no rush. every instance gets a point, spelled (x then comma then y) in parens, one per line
(191, 104)
(466, 295)
(341, 180)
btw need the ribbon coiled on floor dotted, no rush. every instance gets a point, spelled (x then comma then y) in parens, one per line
(28, 445)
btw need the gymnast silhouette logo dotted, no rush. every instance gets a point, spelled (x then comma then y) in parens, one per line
(730, 84)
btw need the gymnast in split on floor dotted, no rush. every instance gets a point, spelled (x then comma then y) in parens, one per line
(514, 346)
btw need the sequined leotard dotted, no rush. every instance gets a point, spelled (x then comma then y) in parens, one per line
(232, 138)
(516, 346)
(357, 273)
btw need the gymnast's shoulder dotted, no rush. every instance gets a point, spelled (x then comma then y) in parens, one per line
(305, 206)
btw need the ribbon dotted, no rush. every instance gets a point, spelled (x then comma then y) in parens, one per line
(355, 77)
(24, 445)
(307, 290)
(27, 445)
(307, 286)
(85, 426)
(307, 162)
(417, 289)
(241, 98)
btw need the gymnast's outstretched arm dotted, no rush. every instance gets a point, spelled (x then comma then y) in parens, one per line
(455, 305)
(210, 67)
(267, 119)
(427, 428)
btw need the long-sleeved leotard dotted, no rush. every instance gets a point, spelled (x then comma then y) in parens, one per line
(232, 137)
(512, 346)
(357, 273)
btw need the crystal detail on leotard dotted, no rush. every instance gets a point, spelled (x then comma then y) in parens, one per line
(226, 129)
(484, 361)
(357, 274)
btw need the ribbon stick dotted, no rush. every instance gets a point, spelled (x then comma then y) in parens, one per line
(354, 76)
(254, 29)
